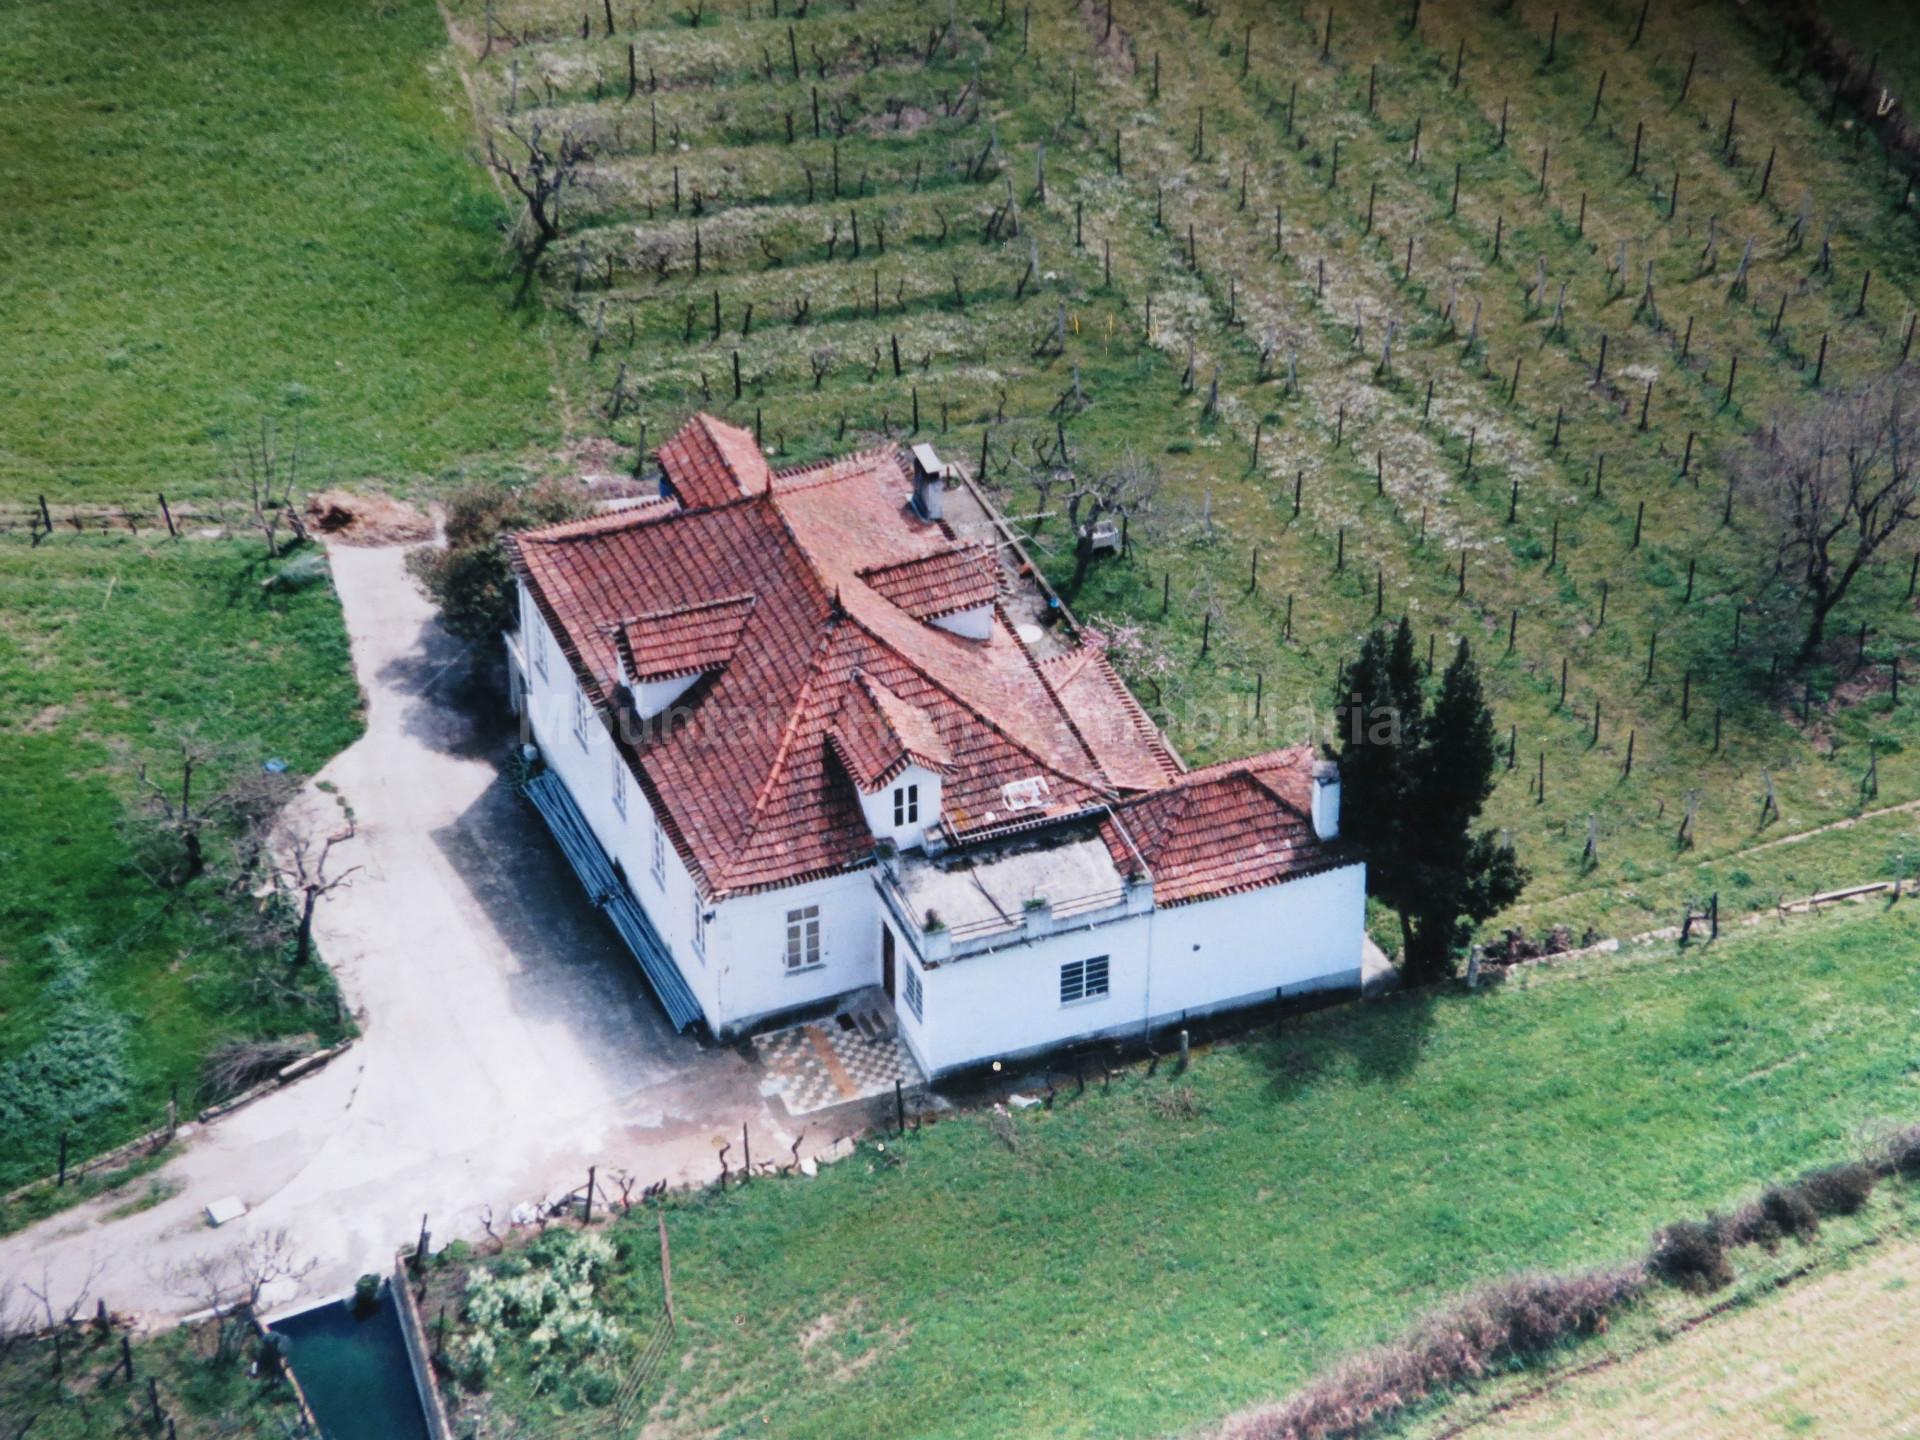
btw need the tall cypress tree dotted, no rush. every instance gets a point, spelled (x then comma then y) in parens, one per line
(1413, 782)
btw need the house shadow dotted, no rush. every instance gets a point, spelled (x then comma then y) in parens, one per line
(455, 698)
(1379, 1039)
(571, 978)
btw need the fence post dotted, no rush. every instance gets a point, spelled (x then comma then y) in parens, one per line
(666, 1268)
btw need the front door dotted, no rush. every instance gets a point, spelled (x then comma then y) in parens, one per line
(886, 958)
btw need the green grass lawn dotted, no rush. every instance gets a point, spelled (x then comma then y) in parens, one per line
(214, 213)
(112, 989)
(1139, 1261)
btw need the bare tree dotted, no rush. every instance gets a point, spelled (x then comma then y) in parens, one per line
(1835, 487)
(270, 477)
(60, 1319)
(229, 1284)
(541, 167)
(1095, 501)
(303, 879)
(183, 809)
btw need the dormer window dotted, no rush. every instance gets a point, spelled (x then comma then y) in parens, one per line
(663, 654)
(896, 757)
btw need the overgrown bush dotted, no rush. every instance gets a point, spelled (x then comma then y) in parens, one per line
(1692, 1255)
(1503, 1324)
(1899, 1154)
(1839, 1189)
(469, 578)
(1784, 1214)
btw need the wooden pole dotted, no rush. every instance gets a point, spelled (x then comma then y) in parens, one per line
(666, 1269)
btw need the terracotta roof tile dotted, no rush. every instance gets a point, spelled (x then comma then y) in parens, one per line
(877, 735)
(713, 463)
(1123, 737)
(688, 640)
(1227, 828)
(751, 783)
(945, 582)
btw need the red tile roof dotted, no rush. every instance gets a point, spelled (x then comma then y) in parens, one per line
(943, 583)
(753, 781)
(688, 640)
(1227, 828)
(1128, 744)
(712, 463)
(877, 735)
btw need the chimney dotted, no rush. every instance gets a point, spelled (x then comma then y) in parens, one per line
(1326, 800)
(929, 483)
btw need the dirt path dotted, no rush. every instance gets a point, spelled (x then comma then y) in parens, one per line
(508, 1041)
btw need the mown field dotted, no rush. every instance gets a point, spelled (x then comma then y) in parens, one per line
(833, 222)
(1139, 1260)
(214, 214)
(1825, 1356)
(114, 988)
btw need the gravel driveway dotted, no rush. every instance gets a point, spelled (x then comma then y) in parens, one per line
(508, 1040)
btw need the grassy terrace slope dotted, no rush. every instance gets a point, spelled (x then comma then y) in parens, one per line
(112, 990)
(1226, 214)
(1135, 1262)
(214, 212)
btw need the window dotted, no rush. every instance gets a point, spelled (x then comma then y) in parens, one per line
(581, 710)
(619, 780)
(915, 1000)
(699, 927)
(659, 855)
(803, 938)
(1083, 980)
(537, 628)
(906, 804)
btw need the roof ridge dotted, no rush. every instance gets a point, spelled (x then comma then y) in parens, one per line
(1243, 763)
(605, 522)
(745, 597)
(846, 463)
(828, 635)
(1104, 784)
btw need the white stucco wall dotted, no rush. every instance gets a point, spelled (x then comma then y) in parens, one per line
(1007, 1002)
(877, 806)
(1241, 949)
(740, 974)
(1237, 950)
(748, 949)
(588, 773)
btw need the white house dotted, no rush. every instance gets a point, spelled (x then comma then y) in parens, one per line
(793, 743)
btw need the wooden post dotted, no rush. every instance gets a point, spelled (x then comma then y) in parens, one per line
(899, 1107)
(666, 1268)
(420, 1249)
(166, 513)
(587, 1219)
(1185, 1041)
